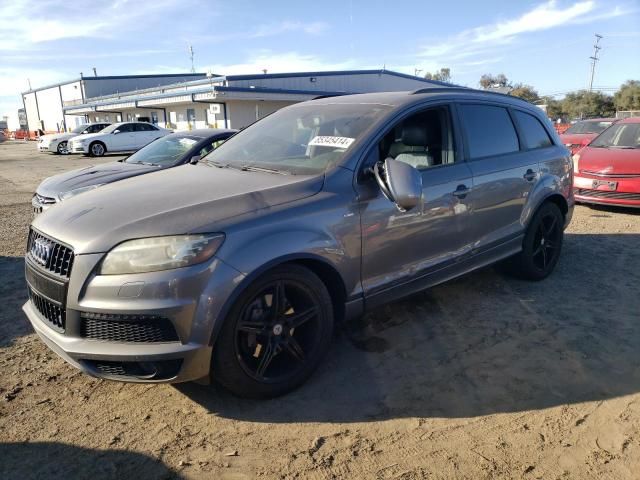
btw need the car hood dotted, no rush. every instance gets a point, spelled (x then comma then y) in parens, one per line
(180, 200)
(60, 136)
(611, 161)
(576, 138)
(89, 136)
(93, 175)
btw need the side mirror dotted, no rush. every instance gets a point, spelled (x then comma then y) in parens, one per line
(195, 159)
(115, 132)
(400, 183)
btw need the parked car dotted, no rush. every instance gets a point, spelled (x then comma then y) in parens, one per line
(57, 142)
(581, 133)
(607, 171)
(119, 137)
(237, 268)
(3, 137)
(165, 152)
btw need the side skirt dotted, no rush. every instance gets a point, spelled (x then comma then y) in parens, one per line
(443, 274)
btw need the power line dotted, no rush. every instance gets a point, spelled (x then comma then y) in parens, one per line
(594, 59)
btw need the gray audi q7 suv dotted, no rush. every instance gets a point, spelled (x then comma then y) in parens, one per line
(239, 267)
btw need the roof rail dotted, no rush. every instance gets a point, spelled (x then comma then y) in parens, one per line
(458, 89)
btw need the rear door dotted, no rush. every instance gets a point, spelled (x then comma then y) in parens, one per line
(504, 172)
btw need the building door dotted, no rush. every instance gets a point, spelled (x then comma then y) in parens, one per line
(191, 118)
(154, 118)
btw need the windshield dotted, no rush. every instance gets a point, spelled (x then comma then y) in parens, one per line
(165, 151)
(111, 128)
(79, 129)
(303, 139)
(622, 135)
(589, 127)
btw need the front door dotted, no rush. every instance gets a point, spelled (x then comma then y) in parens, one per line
(397, 246)
(122, 140)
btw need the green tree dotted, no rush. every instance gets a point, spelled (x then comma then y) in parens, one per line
(582, 104)
(526, 92)
(628, 97)
(444, 75)
(489, 80)
(554, 108)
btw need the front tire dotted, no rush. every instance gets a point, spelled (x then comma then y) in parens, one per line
(97, 149)
(541, 246)
(275, 335)
(62, 148)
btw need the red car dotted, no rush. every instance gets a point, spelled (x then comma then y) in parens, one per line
(607, 171)
(580, 134)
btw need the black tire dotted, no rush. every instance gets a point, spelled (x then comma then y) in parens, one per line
(97, 149)
(541, 246)
(62, 148)
(253, 356)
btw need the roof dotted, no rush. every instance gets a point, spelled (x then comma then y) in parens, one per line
(334, 73)
(401, 98)
(630, 120)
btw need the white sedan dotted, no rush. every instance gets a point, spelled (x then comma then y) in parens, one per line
(57, 142)
(119, 137)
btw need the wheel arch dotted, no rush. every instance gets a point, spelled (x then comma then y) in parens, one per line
(328, 274)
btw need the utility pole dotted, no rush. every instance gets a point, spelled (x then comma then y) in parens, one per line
(416, 72)
(193, 69)
(594, 60)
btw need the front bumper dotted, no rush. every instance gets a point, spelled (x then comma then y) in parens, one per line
(615, 191)
(189, 298)
(75, 147)
(44, 147)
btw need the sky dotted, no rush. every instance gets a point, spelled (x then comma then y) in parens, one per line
(546, 44)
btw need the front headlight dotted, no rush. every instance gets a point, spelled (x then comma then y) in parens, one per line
(77, 191)
(160, 253)
(576, 159)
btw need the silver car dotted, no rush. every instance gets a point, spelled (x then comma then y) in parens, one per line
(238, 268)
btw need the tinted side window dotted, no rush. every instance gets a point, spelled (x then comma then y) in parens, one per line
(489, 130)
(143, 127)
(535, 135)
(127, 127)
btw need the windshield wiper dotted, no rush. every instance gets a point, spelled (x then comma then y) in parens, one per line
(253, 168)
(623, 147)
(146, 163)
(213, 163)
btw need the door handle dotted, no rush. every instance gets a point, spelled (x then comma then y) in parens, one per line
(461, 191)
(530, 175)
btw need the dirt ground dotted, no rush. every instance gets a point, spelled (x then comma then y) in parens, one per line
(483, 377)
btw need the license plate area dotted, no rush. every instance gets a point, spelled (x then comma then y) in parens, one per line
(606, 185)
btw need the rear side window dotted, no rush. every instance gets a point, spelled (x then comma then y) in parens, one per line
(535, 135)
(489, 130)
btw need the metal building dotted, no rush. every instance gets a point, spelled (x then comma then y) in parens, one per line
(44, 106)
(232, 101)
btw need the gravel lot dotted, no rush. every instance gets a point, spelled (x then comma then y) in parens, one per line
(483, 377)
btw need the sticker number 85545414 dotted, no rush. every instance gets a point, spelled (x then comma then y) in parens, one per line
(330, 141)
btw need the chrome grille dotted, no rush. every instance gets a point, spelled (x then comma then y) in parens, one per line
(49, 254)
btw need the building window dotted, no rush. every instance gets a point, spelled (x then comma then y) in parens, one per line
(154, 118)
(191, 117)
(129, 117)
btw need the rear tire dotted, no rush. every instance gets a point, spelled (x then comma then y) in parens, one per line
(97, 149)
(275, 335)
(541, 246)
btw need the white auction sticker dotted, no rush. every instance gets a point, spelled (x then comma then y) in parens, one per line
(328, 141)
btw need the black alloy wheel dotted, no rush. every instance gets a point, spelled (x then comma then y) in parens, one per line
(276, 335)
(541, 246)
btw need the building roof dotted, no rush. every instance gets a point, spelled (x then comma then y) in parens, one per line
(334, 73)
(117, 77)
